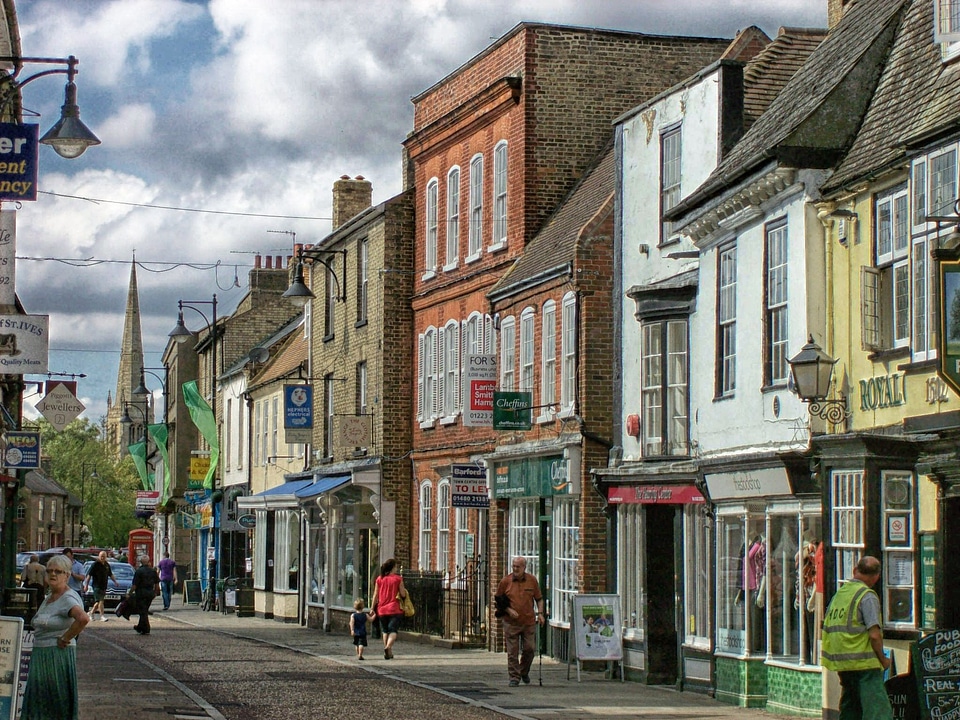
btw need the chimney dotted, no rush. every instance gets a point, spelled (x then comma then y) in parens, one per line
(350, 198)
(835, 10)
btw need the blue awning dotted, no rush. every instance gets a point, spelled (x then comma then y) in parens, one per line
(321, 486)
(287, 488)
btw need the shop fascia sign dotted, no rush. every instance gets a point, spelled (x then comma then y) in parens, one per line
(746, 484)
(535, 477)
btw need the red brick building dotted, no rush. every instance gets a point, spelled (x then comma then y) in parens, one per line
(496, 146)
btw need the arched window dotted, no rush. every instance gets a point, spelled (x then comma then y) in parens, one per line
(426, 523)
(453, 219)
(443, 526)
(476, 208)
(430, 260)
(500, 194)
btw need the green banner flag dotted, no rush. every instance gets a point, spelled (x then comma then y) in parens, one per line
(138, 451)
(203, 417)
(158, 433)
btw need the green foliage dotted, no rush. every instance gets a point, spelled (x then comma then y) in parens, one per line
(954, 315)
(110, 497)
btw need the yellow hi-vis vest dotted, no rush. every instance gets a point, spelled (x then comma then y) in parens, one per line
(846, 641)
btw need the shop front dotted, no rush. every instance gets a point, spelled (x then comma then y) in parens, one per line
(769, 587)
(664, 541)
(540, 497)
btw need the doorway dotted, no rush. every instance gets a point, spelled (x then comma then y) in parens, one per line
(662, 522)
(948, 612)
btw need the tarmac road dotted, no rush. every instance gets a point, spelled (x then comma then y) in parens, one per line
(197, 665)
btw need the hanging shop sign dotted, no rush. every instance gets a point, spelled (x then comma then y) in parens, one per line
(479, 382)
(742, 484)
(199, 467)
(19, 145)
(8, 255)
(534, 477)
(470, 489)
(24, 342)
(512, 410)
(297, 414)
(654, 494)
(147, 500)
(22, 450)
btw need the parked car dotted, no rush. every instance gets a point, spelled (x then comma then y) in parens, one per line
(115, 590)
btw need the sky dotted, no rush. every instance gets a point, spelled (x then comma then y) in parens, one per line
(239, 115)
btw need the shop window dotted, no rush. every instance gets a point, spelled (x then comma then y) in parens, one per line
(766, 580)
(318, 564)
(566, 550)
(525, 532)
(846, 509)
(630, 569)
(898, 549)
(353, 565)
(697, 543)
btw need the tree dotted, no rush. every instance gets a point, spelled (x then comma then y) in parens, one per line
(955, 316)
(110, 498)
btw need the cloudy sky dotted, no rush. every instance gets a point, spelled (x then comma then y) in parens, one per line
(248, 111)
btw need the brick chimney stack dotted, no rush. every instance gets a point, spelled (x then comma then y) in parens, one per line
(351, 196)
(835, 10)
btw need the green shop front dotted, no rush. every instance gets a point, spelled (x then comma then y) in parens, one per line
(538, 500)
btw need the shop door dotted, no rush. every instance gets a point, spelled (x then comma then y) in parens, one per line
(662, 638)
(948, 614)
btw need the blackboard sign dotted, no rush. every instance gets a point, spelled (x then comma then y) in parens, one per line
(192, 594)
(902, 691)
(936, 665)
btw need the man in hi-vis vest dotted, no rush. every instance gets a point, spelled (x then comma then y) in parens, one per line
(852, 645)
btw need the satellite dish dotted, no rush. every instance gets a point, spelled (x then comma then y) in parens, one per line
(259, 354)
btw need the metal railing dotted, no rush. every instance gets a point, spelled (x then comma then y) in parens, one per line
(467, 603)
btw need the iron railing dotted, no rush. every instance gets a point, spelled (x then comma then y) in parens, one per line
(466, 605)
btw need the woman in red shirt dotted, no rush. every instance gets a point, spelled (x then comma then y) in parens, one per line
(386, 605)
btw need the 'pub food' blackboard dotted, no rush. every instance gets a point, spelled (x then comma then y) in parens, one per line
(192, 594)
(936, 665)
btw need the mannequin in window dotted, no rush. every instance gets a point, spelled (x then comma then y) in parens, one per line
(755, 581)
(806, 592)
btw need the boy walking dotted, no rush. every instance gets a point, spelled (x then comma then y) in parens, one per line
(358, 627)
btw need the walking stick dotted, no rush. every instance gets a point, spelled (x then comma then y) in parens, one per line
(540, 650)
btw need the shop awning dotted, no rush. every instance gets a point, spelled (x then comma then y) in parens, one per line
(283, 495)
(321, 486)
(287, 488)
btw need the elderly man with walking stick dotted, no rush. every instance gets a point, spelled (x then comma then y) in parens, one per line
(517, 596)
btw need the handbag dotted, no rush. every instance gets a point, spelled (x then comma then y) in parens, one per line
(406, 604)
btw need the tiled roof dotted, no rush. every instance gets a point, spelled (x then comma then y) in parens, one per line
(815, 117)
(38, 482)
(555, 245)
(767, 73)
(917, 97)
(291, 356)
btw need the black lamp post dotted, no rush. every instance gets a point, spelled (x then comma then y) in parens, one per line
(83, 493)
(298, 293)
(811, 371)
(143, 391)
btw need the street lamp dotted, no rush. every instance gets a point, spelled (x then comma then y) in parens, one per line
(127, 421)
(143, 391)
(182, 334)
(811, 372)
(69, 137)
(298, 293)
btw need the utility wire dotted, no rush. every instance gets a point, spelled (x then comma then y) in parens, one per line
(98, 201)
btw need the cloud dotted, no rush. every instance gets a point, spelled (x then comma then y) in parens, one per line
(131, 127)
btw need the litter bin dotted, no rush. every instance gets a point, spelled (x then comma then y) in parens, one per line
(20, 602)
(245, 601)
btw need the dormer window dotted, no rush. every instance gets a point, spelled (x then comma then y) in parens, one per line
(946, 27)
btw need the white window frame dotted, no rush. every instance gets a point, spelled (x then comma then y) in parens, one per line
(430, 237)
(363, 280)
(892, 254)
(776, 297)
(847, 512)
(443, 526)
(899, 553)
(449, 373)
(631, 550)
(475, 237)
(452, 235)
(526, 350)
(665, 390)
(508, 351)
(565, 551)
(499, 238)
(568, 354)
(427, 371)
(328, 415)
(697, 585)
(426, 523)
(946, 27)
(524, 535)
(462, 517)
(548, 360)
(727, 321)
(671, 151)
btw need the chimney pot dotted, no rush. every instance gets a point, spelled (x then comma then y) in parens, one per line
(256, 261)
(269, 259)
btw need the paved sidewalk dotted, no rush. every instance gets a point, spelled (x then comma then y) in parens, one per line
(478, 677)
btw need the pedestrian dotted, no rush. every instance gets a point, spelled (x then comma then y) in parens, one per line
(144, 587)
(516, 597)
(98, 575)
(76, 572)
(852, 645)
(34, 575)
(51, 692)
(358, 626)
(168, 578)
(386, 601)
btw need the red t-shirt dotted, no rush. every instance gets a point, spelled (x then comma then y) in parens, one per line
(387, 588)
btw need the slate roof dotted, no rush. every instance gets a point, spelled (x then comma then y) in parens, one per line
(291, 355)
(555, 245)
(816, 116)
(38, 482)
(766, 74)
(918, 97)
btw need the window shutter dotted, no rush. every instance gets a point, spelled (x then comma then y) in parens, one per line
(488, 336)
(420, 370)
(437, 403)
(455, 329)
(441, 379)
(870, 307)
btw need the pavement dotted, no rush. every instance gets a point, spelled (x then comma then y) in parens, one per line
(475, 676)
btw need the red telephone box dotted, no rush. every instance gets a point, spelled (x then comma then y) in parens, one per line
(141, 543)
